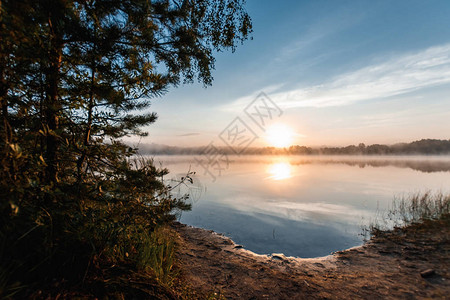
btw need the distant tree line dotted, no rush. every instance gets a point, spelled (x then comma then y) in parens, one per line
(422, 147)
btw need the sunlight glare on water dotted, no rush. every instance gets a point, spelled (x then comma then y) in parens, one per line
(279, 171)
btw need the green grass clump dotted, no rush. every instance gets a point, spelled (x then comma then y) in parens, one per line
(412, 209)
(156, 253)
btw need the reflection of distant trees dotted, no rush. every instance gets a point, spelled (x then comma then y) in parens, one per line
(422, 166)
(426, 166)
(427, 147)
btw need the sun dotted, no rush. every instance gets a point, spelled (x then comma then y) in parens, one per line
(279, 135)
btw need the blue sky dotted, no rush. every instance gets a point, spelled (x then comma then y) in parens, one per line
(343, 72)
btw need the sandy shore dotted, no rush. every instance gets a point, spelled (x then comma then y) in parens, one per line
(405, 263)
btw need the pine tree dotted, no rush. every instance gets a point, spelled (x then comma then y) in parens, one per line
(76, 77)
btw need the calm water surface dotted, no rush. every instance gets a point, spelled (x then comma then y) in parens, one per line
(302, 206)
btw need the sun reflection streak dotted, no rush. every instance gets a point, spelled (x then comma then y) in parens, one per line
(280, 171)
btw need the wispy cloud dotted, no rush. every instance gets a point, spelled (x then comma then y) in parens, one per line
(242, 102)
(189, 134)
(317, 32)
(394, 76)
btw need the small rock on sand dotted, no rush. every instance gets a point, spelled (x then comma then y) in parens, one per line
(278, 256)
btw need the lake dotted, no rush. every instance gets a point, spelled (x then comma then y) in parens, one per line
(303, 206)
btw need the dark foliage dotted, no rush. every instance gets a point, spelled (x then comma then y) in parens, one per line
(75, 77)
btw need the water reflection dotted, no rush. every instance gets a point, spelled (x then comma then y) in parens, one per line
(263, 204)
(279, 171)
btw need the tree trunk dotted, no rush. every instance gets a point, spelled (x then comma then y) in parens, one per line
(52, 104)
(6, 128)
(87, 133)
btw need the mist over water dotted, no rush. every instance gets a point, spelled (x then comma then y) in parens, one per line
(305, 206)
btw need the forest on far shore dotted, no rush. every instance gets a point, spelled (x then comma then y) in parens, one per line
(422, 147)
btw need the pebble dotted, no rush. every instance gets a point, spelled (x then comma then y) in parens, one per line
(278, 256)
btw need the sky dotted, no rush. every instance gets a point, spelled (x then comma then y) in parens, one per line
(340, 73)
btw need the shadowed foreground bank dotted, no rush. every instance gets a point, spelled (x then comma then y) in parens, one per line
(411, 262)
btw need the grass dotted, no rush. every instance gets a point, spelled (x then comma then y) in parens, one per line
(141, 266)
(157, 254)
(418, 208)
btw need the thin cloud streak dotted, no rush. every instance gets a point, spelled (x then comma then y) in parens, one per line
(189, 134)
(242, 102)
(395, 76)
(317, 32)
